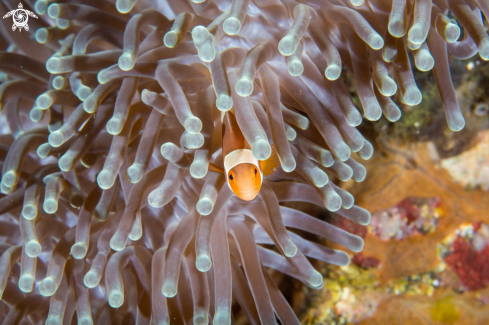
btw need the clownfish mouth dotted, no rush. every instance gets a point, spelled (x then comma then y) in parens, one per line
(248, 195)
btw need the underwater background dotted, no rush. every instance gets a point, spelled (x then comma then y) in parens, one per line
(365, 124)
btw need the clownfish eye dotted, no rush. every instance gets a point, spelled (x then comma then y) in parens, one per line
(231, 177)
(254, 171)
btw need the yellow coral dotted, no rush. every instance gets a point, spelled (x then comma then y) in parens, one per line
(445, 311)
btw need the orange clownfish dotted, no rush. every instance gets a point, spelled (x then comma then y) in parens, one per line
(244, 173)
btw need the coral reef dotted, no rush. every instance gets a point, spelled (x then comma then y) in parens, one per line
(431, 278)
(409, 217)
(466, 253)
(111, 147)
(471, 168)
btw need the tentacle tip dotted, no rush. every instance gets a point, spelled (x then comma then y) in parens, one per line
(359, 246)
(201, 318)
(357, 3)
(412, 96)
(456, 124)
(169, 289)
(56, 139)
(134, 173)
(326, 159)
(136, 233)
(41, 35)
(261, 149)
(484, 49)
(334, 204)
(224, 102)
(394, 116)
(332, 72)
(295, 68)
(26, 283)
(54, 10)
(198, 170)
(348, 204)
(289, 165)
(83, 92)
(54, 320)
(147, 96)
(78, 251)
(29, 211)
(203, 263)
(222, 317)
(204, 207)
(315, 279)
(290, 249)
(85, 321)
(65, 163)
(346, 260)
(41, 6)
(48, 287)
(44, 101)
(33, 248)
(320, 178)
(124, 6)
(36, 114)
(117, 243)
(354, 119)
(62, 23)
(5, 189)
(375, 41)
(426, 63)
(360, 178)
(90, 104)
(105, 179)
(155, 200)
(50, 206)
(10, 178)
(126, 61)
(416, 34)
(91, 279)
(397, 28)
(343, 152)
(58, 82)
(244, 87)
(199, 34)
(76, 200)
(231, 26)
(193, 141)
(116, 298)
(193, 125)
(206, 52)
(287, 45)
(291, 135)
(103, 76)
(374, 114)
(114, 126)
(389, 87)
(452, 33)
(53, 65)
(170, 39)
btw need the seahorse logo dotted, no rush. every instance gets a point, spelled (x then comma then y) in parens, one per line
(20, 17)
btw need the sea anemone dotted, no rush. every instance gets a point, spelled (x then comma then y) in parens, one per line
(111, 117)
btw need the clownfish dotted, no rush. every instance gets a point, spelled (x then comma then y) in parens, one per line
(244, 173)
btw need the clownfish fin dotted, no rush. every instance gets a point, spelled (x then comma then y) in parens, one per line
(215, 168)
(270, 167)
(278, 175)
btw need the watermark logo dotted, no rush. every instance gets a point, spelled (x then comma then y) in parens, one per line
(20, 17)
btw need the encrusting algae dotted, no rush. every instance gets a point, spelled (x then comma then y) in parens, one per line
(114, 207)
